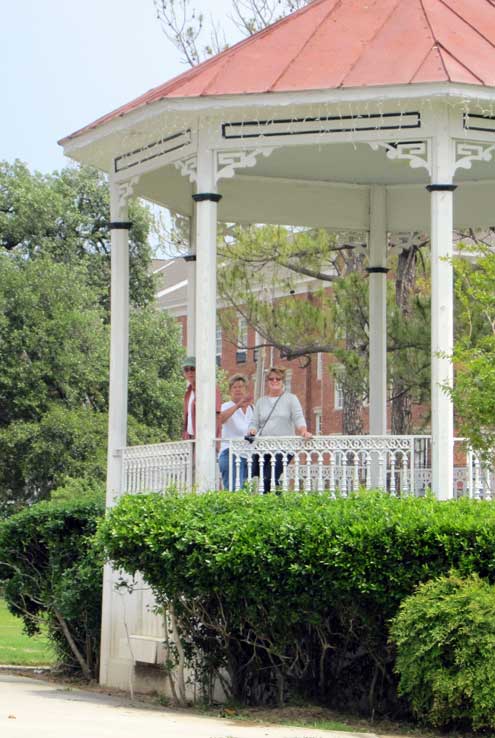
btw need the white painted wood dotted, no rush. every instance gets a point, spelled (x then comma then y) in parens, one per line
(94, 142)
(191, 289)
(377, 287)
(119, 343)
(442, 311)
(206, 289)
(252, 199)
(117, 411)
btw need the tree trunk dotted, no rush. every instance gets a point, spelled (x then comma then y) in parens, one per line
(352, 420)
(73, 646)
(405, 282)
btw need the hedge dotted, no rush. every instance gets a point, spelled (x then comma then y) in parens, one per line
(294, 594)
(51, 573)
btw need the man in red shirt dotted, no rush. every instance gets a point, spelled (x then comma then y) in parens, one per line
(189, 424)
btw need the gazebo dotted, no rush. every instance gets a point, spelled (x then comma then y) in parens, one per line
(376, 116)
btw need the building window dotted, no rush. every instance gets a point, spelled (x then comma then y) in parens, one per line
(317, 421)
(319, 365)
(218, 342)
(242, 339)
(338, 395)
(288, 380)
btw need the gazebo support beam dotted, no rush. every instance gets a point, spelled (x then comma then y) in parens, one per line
(191, 288)
(117, 410)
(206, 205)
(377, 289)
(442, 314)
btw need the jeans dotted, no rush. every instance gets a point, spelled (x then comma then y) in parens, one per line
(224, 464)
(279, 468)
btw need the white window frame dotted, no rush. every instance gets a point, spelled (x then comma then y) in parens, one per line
(319, 366)
(288, 380)
(218, 342)
(338, 395)
(318, 421)
(242, 340)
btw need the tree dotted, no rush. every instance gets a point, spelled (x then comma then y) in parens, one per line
(65, 216)
(54, 336)
(196, 39)
(474, 353)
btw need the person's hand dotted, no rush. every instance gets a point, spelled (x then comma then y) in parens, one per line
(306, 434)
(252, 432)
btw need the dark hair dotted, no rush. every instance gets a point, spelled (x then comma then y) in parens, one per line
(237, 378)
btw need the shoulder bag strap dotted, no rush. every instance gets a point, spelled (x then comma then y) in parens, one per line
(270, 414)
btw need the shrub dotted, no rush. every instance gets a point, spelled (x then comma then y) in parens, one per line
(52, 574)
(445, 636)
(294, 593)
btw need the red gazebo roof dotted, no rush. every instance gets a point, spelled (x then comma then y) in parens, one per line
(332, 44)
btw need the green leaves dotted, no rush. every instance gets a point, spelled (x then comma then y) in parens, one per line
(54, 333)
(445, 639)
(51, 572)
(304, 575)
(474, 355)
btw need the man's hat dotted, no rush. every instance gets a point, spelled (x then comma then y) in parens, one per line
(189, 361)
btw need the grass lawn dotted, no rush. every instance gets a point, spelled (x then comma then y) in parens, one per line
(16, 647)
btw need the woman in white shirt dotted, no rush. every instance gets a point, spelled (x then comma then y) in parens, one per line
(236, 417)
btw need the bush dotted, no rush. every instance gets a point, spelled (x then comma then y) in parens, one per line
(445, 636)
(294, 594)
(52, 574)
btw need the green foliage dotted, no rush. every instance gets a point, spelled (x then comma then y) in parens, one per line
(474, 354)
(156, 383)
(54, 334)
(64, 216)
(259, 264)
(52, 575)
(445, 637)
(293, 594)
(37, 457)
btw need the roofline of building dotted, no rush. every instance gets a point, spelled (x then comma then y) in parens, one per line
(215, 105)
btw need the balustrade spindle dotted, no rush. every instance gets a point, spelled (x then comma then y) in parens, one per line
(392, 475)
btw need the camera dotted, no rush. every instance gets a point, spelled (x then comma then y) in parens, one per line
(249, 438)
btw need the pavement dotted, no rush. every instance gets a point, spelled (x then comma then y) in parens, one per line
(31, 708)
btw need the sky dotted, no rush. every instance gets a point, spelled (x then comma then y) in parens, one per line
(63, 64)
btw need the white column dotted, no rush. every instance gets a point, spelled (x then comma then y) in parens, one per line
(206, 200)
(442, 311)
(377, 293)
(117, 405)
(191, 288)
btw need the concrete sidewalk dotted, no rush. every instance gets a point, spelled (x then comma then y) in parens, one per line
(30, 708)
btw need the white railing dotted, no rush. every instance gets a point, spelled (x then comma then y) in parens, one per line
(481, 480)
(337, 464)
(334, 464)
(156, 467)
